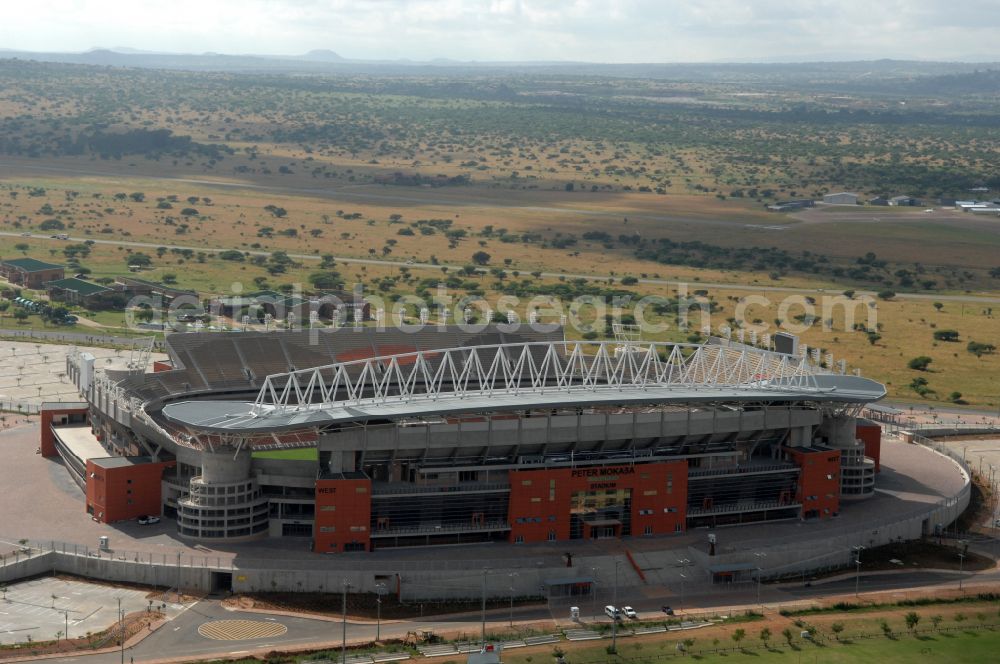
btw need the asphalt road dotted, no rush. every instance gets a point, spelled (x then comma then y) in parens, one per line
(975, 299)
(180, 637)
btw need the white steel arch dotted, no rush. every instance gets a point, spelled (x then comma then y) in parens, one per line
(536, 368)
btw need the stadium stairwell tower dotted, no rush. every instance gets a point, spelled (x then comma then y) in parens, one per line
(839, 431)
(225, 501)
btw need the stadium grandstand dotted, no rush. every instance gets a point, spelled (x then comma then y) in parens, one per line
(355, 439)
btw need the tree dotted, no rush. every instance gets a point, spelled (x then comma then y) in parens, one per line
(936, 620)
(837, 628)
(955, 397)
(326, 280)
(886, 629)
(787, 633)
(22, 247)
(912, 618)
(919, 363)
(481, 258)
(144, 315)
(765, 635)
(939, 306)
(139, 258)
(738, 636)
(137, 196)
(920, 386)
(52, 225)
(20, 315)
(873, 337)
(946, 335)
(979, 349)
(886, 294)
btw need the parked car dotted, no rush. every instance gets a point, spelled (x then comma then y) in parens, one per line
(630, 613)
(148, 520)
(612, 612)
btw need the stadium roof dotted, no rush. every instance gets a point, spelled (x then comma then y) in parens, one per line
(31, 264)
(245, 417)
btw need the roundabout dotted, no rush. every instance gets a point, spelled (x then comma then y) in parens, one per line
(241, 630)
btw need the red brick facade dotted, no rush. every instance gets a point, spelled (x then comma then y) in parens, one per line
(871, 435)
(343, 515)
(119, 493)
(541, 501)
(50, 416)
(819, 481)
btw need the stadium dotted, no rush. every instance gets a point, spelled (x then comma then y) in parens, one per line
(358, 439)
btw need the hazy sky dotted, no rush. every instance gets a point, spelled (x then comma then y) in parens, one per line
(590, 30)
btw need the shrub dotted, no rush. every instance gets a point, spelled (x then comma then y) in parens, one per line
(946, 335)
(919, 363)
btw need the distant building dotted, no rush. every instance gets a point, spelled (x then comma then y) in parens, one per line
(30, 272)
(788, 206)
(78, 291)
(133, 287)
(841, 198)
(903, 200)
(279, 306)
(878, 200)
(985, 208)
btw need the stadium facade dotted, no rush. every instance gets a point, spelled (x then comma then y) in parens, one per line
(358, 439)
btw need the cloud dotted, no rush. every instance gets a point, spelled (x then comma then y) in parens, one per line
(593, 30)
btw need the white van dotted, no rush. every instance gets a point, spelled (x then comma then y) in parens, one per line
(612, 612)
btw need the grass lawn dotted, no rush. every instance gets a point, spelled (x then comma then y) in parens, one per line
(967, 646)
(299, 454)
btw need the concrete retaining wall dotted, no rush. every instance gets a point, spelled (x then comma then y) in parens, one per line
(24, 566)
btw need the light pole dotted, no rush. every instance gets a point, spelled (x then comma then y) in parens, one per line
(683, 562)
(614, 618)
(66, 617)
(121, 631)
(857, 561)
(343, 609)
(593, 595)
(379, 591)
(961, 561)
(511, 617)
(759, 555)
(483, 609)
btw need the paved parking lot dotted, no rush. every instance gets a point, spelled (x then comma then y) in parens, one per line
(33, 372)
(983, 457)
(44, 608)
